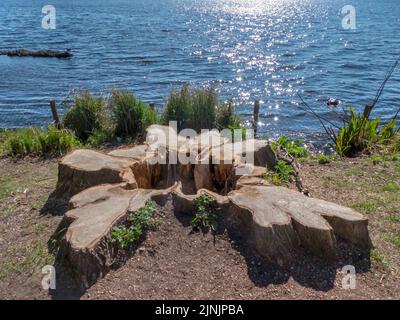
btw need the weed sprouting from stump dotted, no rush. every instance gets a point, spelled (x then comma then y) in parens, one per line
(205, 217)
(125, 236)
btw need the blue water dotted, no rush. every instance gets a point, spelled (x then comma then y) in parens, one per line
(249, 49)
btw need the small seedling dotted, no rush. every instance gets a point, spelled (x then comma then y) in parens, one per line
(378, 259)
(205, 216)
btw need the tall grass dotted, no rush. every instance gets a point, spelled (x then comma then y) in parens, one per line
(178, 107)
(32, 141)
(203, 109)
(86, 115)
(93, 121)
(131, 116)
(198, 109)
(226, 118)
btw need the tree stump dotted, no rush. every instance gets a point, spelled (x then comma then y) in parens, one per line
(278, 222)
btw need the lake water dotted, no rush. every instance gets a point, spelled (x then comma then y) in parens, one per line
(249, 49)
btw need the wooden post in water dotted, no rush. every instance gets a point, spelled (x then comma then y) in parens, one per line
(256, 111)
(54, 111)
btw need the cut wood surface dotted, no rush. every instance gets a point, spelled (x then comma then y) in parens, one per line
(284, 219)
(84, 168)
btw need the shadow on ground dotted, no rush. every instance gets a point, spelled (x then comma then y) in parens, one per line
(54, 206)
(308, 271)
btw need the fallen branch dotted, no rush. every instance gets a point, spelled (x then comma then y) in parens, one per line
(296, 168)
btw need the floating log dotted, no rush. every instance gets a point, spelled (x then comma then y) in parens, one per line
(37, 54)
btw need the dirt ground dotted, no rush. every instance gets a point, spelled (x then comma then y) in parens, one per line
(175, 263)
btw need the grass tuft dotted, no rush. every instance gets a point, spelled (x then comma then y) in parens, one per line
(366, 206)
(130, 115)
(391, 186)
(31, 141)
(378, 258)
(323, 159)
(199, 109)
(86, 115)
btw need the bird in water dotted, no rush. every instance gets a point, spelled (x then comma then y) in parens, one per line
(333, 102)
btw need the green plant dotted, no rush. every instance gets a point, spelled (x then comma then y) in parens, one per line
(21, 142)
(205, 216)
(87, 114)
(276, 180)
(391, 186)
(396, 240)
(361, 133)
(199, 109)
(131, 116)
(376, 159)
(99, 137)
(354, 135)
(396, 145)
(137, 224)
(178, 107)
(282, 174)
(284, 171)
(294, 147)
(56, 142)
(388, 132)
(366, 206)
(378, 258)
(203, 109)
(125, 236)
(33, 141)
(226, 117)
(323, 159)
(144, 217)
(394, 218)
